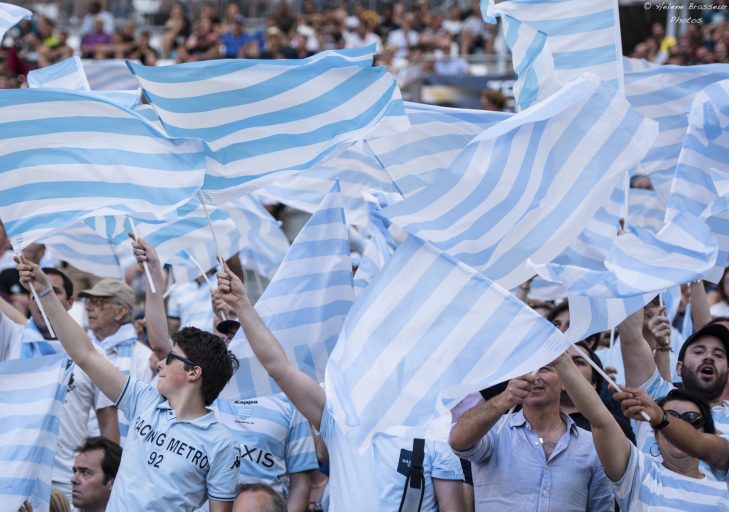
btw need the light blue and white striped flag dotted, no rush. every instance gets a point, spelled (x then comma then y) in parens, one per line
(701, 182)
(305, 303)
(665, 94)
(646, 209)
(10, 15)
(67, 155)
(109, 75)
(437, 135)
(528, 186)
(425, 333)
(261, 117)
(631, 64)
(32, 396)
(581, 36)
(67, 74)
(380, 248)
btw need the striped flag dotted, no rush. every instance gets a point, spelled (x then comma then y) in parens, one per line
(305, 303)
(425, 333)
(260, 117)
(665, 94)
(581, 36)
(701, 182)
(32, 397)
(66, 74)
(380, 248)
(488, 11)
(10, 15)
(437, 135)
(630, 64)
(67, 155)
(646, 209)
(528, 186)
(109, 75)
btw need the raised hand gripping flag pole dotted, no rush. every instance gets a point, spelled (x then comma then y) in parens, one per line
(144, 263)
(38, 302)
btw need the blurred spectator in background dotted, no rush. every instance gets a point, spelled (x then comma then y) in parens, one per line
(95, 11)
(493, 100)
(97, 43)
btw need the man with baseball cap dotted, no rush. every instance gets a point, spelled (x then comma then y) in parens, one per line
(702, 366)
(109, 306)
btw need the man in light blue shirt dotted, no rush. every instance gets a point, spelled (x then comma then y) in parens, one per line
(540, 460)
(176, 455)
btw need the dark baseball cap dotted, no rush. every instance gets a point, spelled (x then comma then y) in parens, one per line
(716, 330)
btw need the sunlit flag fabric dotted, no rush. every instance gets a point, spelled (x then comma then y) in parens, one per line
(581, 36)
(260, 117)
(416, 157)
(67, 155)
(529, 185)
(10, 15)
(66, 74)
(646, 208)
(32, 398)
(631, 64)
(425, 333)
(305, 303)
(379, 249)
(665, 94)
(109, 75)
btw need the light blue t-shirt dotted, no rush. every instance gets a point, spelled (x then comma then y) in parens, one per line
(358, 479)
(274, 439)
(647, 485)
(169, 464)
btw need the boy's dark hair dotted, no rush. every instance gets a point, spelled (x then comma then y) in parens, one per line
(700, 403)
(112, 454)
(210, 353)
(278, 504)
(67, 283)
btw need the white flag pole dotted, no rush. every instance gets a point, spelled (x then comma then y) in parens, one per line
(205, 276)
(144, 263)
(212, 231)
(40, 306)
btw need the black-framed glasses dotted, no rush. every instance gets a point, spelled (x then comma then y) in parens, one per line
(172, 356)
(695, 419)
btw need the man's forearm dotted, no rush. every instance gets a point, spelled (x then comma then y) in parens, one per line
(476, 423)
(264, 344)
(11, 312)
(155, 315)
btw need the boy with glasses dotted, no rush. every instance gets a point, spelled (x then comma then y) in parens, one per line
(176, 455)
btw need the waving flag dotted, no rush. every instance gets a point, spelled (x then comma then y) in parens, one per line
(630, 64)
(10, 15)
(665, 94)
(32, 398)
(67, 155)
(379, 249)
(528, 186)
(437, 135)
(577, 36)
(109, 75)
(305, 303)
(67, 74)
(260, 117)
(425, 333)
(701, 182)
(646, 209)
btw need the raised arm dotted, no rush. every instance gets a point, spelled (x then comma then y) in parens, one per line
(72, 337)
(154, 306)
(11, 312)
(612, 447)
(302, 390)
(637, 354)
(700, 309)
(660, 327)
(475, 423)
(710, 448)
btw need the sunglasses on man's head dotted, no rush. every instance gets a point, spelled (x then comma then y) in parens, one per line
(695, 419)
(171, 356)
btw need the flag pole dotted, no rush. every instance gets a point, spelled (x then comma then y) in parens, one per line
(205, 276)
(40, 306)
(212, 231)
(144, 263)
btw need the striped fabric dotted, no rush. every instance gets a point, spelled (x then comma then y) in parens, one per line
(109, 75)
(665, 94)
(32, 398)
(425, 333)
(646, 209)
(630, 64)
(10, 15)
(581, 36)
(67, 74)
(416, 157)
(305, 303)
(527, 187)
(260, 117)
(701, 182)
(379, 249)
(67, 155)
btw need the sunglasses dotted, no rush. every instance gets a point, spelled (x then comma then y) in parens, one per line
(695, 419)
(171, 356)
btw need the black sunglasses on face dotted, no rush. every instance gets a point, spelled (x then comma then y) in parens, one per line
(172, 356)
(695, 419)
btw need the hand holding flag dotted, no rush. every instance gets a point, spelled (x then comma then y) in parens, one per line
(231, 289)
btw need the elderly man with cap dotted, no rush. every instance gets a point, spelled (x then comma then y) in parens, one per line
(702, 366)
(109, 306)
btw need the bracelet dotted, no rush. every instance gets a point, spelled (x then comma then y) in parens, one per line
(45, 291)
(667, 348)
(663, 423)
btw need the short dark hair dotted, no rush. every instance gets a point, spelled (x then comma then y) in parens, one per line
(210, 353)
(67, 283)
(559, 308)
(596, 379)
(686, 396)
(278, 504)
(112, 454)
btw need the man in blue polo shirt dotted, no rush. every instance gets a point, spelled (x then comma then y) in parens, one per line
(176, 455)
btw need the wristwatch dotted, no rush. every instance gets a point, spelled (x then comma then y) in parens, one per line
(663, 423)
